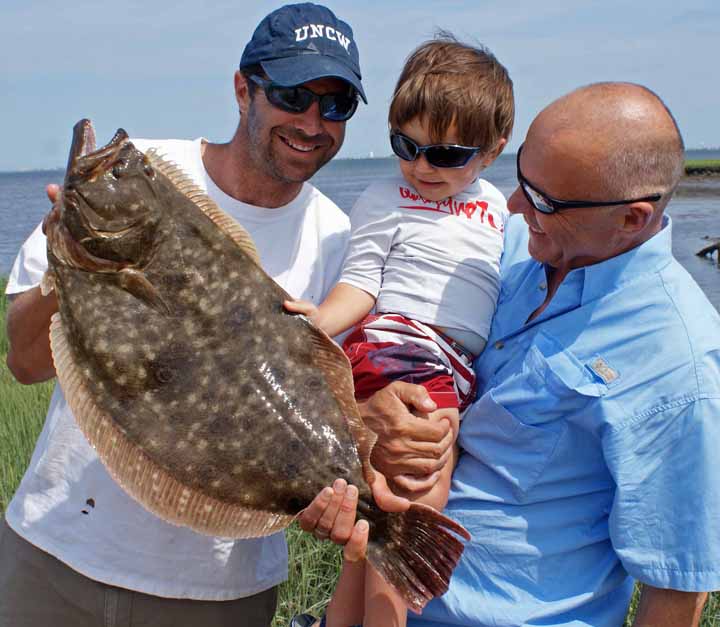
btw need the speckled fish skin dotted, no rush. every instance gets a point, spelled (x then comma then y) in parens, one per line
(220, 391)
(198, 389)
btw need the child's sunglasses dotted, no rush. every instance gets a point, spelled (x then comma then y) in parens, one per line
(335, 107)
(437, 155)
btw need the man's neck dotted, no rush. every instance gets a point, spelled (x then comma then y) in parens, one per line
(236, 175)
(556, 274)
(554, 277)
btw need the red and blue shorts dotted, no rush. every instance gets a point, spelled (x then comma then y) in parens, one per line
(391, 347)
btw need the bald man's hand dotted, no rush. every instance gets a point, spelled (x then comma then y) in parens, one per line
(411, 450)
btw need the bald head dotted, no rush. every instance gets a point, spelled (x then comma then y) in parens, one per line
(623, 135)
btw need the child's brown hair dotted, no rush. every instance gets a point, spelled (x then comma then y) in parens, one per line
(446, 82)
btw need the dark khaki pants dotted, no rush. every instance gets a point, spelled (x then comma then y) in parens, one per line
(37, 590)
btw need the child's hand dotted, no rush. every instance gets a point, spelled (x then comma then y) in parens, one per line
(304, 307)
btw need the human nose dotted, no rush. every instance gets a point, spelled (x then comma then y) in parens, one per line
(517, 203)
(310, 121)
(422, 165)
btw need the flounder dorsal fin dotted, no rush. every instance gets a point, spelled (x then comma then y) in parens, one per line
(334, 364)
(206, 204)
(138, 474)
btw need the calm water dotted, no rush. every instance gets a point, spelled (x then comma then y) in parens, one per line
(695, 212)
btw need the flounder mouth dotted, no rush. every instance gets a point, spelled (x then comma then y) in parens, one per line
(84, 161)
(95, 224)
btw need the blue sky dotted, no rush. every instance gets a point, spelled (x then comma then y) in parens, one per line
(164, 69)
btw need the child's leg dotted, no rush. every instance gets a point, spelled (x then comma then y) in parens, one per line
(346, 606)
(384, 607)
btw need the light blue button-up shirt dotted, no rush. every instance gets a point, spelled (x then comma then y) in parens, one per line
(589, 457)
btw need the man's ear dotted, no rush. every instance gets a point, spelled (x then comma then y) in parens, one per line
(242, 92)
(637, 216)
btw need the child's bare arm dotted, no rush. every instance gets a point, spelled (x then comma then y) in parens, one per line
(344, 306)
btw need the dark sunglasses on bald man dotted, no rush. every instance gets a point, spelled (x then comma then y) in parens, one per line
(547, 204)
(437, 155)
(335, 106)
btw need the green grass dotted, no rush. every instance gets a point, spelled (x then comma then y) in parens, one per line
(313, 565)
(699, 167)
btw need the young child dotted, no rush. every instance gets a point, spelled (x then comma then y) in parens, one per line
(424, 253)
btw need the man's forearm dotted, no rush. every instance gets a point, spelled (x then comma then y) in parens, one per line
(28, 326)
(669, 608)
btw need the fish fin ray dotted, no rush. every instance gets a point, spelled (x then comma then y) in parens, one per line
(147, 482)
(207, 205)
(415, 552)
(47, 283)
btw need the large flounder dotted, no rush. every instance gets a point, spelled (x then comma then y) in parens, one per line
(208, 402)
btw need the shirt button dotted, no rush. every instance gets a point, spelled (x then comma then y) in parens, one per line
(542, 287)
(499, 344)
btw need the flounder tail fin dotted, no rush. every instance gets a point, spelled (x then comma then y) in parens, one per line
(415, 551)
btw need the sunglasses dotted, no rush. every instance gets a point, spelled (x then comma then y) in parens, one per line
(547, 204)
(437, 155)
(335, 107)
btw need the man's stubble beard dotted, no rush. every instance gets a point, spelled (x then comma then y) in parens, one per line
(264, 155)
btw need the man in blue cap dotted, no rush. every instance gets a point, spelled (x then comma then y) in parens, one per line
(76, 549)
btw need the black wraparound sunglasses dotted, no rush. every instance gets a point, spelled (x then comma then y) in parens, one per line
(547, 204)
(437, 155)
(335, 106)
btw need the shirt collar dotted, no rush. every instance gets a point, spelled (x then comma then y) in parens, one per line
(471, 190)
(647, 258)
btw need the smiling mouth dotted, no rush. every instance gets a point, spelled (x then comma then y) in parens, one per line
(534, 229)
(297, 145)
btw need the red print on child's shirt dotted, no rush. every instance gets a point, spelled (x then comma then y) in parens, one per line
(451, 207)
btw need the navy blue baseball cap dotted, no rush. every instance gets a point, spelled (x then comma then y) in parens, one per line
(299, 43)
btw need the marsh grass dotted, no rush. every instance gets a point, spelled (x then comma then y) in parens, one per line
(699, 167)
(314, 565)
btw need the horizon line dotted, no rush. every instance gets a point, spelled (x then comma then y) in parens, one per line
(365, 158)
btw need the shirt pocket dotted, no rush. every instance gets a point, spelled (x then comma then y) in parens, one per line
(517, 426)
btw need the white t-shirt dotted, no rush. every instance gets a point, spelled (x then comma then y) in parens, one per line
(68, 505)
(437, 262)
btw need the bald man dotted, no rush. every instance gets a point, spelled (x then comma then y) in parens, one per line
(589, 455)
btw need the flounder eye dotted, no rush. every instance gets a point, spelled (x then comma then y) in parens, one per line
(148, 169)
(117, 169)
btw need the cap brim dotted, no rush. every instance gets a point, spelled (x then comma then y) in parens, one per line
(304, 68)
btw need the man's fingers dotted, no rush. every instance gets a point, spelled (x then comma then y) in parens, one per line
(299, 306)
(327, 520)
(414, 396)
(389, 407)
(423, 430)
(408, 465)
(53, 191)
(310, 516)
(344, 521)
(356, 546)
(385, 498)
(408, 446)
(417, 483)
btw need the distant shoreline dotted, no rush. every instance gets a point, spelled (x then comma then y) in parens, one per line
(702, 167)
(693, 167)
